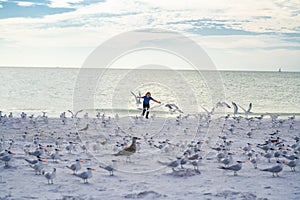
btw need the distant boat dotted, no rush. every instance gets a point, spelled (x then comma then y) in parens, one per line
(279, 70)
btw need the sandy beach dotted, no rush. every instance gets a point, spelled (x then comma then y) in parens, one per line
(146, 175)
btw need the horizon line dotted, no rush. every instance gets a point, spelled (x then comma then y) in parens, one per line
(128, 68)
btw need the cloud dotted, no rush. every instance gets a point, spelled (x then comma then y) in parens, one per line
(26, 3)
(228, 25)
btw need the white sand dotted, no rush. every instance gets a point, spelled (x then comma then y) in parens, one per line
(144, 177)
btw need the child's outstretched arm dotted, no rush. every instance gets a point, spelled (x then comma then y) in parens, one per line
(156, 101)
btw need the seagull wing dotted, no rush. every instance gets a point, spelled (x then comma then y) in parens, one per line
(71, 112)
(173, 105)
(168, 106)
(133, 94)
(205, 109)
(249, 108)
(235, 108)
(78, 112)
(243, 109)
(226, 104)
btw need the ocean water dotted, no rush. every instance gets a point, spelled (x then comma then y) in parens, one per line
(56, 90)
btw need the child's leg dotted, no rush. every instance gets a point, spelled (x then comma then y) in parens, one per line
(145, 107)
(147, 113)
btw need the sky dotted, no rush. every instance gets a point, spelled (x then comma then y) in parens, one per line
(236, 34)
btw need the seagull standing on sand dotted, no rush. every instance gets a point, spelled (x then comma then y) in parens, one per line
(235, 168)
(128, 151)
(50, 176)
(7, 157)
(175, 163)
(39, 166)
(110, 168)
(85, 175)
(292, 164)
(275, 169)
(76, 166)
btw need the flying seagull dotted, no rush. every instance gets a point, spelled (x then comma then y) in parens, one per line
(248, 111)
(74, 115)
(137, 100)
(173, 108)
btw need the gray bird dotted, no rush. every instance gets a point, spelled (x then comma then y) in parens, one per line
(254, 161)
(76, 166)
(292, 164)
(110, 168)
(128, 151)
(39, 166)
(291, 157)
(85, 175)
(50, 176)
(275, 169)
(235, 168)
(7, 157)
(38, 152)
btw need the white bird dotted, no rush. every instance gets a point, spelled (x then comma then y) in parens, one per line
(76, 166)
(222, 104)
(209, 113)
(254, 161)
(173, 108)
(235, 108)
(55, 155)
(137, 100)
(235, 168)
(74, 115)
(85, 175)
(292, 164)
(275, 169)
(50, 176)
(7, 157)
(110, 168)
(39, 166)
(175, 163)
(248, 111)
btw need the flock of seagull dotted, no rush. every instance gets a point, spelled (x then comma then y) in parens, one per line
(40, 147)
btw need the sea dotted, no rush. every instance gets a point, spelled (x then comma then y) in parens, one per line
(56, 90)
